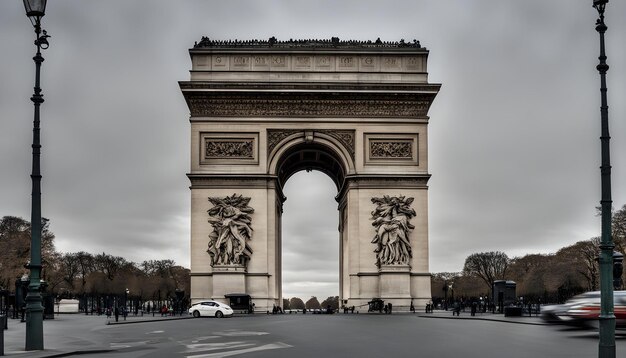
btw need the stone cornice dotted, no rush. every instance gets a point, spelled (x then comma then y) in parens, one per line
(378, 181)
(425, 88)
(286, 104)
(209, 180)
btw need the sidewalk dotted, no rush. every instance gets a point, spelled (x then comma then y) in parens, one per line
(488, 316)
(70, 333)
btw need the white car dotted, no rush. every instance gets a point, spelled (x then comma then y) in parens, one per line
(210, 309)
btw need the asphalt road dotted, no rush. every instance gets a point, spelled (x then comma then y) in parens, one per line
(302, 336)
(347, 336)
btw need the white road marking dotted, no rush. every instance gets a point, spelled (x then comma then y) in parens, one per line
(240, 333)
(193, 348)
(277, 345)
(198, 339)
(127, 344)
(155, 332)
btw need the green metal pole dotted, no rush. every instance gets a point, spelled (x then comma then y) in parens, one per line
(34, 309)
(607, 316)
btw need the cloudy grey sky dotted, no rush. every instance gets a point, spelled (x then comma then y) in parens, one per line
(514, 148)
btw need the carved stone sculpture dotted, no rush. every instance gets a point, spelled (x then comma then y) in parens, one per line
(228, 242)
(230, 149)
(391, 149)
(391, 220)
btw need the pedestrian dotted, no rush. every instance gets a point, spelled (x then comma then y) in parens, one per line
(390, 307)
(473, 309)
(456, 309)
(117, 313)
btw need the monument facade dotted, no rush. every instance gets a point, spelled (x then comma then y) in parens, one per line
(260, 111)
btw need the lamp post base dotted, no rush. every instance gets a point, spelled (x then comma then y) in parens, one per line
(34, 320)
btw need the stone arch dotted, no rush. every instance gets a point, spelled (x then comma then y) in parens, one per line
(308, 151)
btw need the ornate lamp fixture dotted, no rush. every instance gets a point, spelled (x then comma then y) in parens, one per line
(35, 10)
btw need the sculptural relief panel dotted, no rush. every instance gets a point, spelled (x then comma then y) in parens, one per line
(412, 63)
(219, 62)
(231, 220)
(346, 63)
(229, 148)
(391, 149)
(302, 62)
(279, 62)
(261, 62)
(391, 64)
(240, 63)
(370, 63)
(324, 63)
(391, 224)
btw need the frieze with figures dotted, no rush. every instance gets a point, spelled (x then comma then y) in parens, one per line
(275, 107)
(391, 223)
(229, 149)
(391, 149)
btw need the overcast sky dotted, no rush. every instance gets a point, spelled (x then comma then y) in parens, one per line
(513, 135)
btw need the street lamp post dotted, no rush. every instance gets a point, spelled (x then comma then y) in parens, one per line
(126, 303)
(607, 316)
(35, 10)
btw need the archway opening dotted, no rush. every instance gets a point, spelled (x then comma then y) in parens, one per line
(310, 175)
(310, 239)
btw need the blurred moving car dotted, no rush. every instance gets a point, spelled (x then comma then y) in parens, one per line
(583, 310)
(210, 309)
(558, 313)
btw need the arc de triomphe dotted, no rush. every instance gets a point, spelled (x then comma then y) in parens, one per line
(264, 110)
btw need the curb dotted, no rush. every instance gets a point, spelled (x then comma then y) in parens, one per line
(488, 319)
(82, 352)
(113, 323)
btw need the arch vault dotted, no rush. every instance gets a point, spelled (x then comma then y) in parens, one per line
(264, 110)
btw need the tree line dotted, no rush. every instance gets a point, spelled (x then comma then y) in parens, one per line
(551, 277)
(296, 303)
(76, 274)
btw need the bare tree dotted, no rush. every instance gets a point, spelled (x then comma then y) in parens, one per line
(69, 268)
(108, 264)
(489, 266)
(85, 263)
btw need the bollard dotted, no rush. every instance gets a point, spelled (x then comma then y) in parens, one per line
(2, 321)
